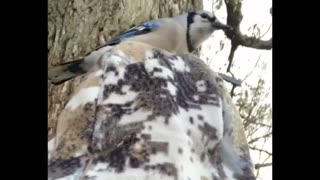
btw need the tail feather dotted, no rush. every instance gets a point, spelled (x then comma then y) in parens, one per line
(66, 71)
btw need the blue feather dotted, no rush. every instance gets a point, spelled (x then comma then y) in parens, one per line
(143, 28)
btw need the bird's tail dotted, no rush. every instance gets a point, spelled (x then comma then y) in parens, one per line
(66, 71)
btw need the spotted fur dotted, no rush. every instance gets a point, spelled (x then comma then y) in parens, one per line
(150, 114)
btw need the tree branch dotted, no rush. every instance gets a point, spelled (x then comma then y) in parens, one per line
(234, 19)
(256, 139)
(253, 42)
(232, 80)
(261, 150)
(232, 91)
(266, 31)
(234, 47)
(255, 66)
(258, 166)
(261, 124)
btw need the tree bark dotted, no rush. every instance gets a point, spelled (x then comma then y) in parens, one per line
(77, 26)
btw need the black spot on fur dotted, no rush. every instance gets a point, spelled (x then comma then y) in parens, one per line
(188, 132)
(202, 156)
(167, 168)
(157, 69)
(146, 137)
(191, 120)
(118, 110)
(134, 162)
(158, 146)
(111, 68)
(157, 54)
(118, 158)
(209, 131)
(216, 160)
(63, 167)
(166, 121)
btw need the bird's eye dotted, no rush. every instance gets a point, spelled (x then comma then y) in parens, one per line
(204, 16)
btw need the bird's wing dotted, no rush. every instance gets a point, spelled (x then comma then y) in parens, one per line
(143, 28)
(147, 113)
(69, 70)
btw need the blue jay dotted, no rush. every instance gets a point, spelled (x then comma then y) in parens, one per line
(179, 34)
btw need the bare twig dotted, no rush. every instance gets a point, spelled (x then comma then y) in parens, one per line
(261, 150)
(257, 138)
(266, 31)
(261, 124)
(232, 80)
(255, 66)
(234, 47)
(232, 91)
(258, 166)
(251, 132)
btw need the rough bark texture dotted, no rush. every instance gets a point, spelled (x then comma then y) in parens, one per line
(77, 26)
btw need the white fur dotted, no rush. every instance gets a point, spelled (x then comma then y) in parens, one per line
(111, 78)
(179, 65)
(172, 89)
(84, 96)
(201, 86)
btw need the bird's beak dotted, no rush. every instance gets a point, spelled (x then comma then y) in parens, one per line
(219, 25)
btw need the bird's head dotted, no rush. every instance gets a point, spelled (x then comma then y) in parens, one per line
(200, 25)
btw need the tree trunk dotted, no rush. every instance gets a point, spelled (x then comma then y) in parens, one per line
(77, 26)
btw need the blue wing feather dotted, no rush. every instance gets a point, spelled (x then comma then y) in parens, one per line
(143, 28)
